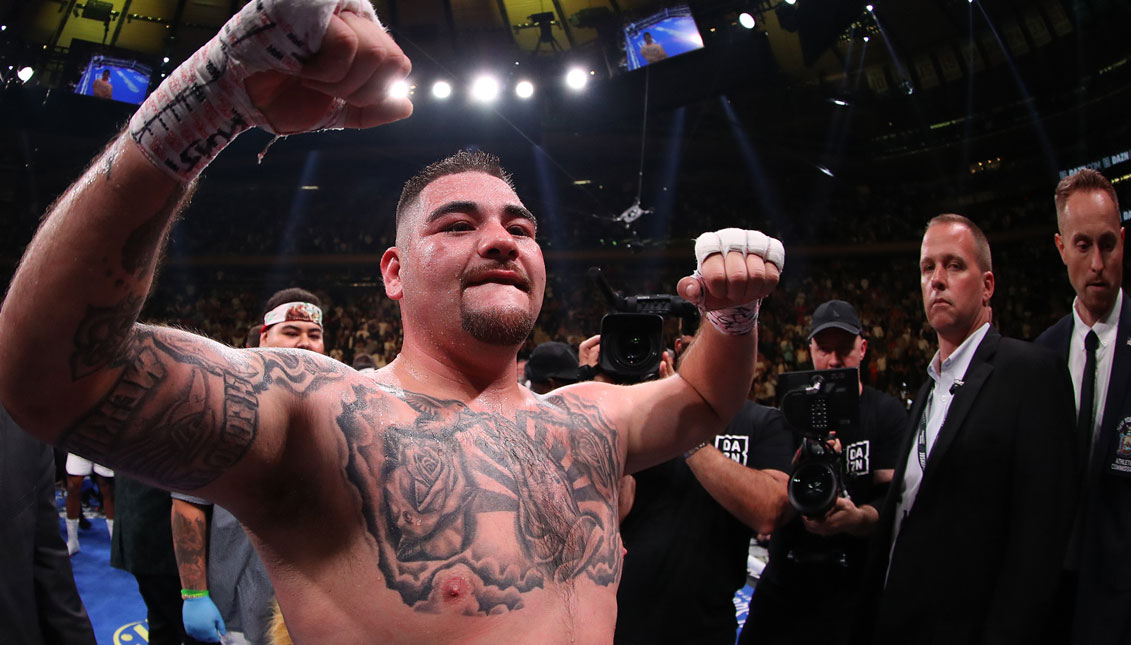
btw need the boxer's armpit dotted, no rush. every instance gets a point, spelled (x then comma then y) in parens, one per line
(185, 409)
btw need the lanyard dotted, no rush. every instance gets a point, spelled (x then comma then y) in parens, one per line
(921, 440)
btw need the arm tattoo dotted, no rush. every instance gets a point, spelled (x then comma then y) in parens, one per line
(183, 410)
(427, 486)
(102, 334)
(190, 537)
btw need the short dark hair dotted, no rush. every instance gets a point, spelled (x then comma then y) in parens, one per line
(293, 294)
(253, 333)
(462, 161)
(1083, 179)
(981, 243)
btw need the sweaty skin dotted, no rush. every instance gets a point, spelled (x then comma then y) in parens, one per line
(433, 501)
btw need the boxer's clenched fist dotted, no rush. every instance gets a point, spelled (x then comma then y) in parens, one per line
(287, 66)
(352, 72)
(736, 269)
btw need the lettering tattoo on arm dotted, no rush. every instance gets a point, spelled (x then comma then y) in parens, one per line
(184, 409)
(436, 489)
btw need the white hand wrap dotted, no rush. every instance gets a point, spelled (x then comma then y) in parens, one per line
(203, 105)
(745, 242)
(739, 320)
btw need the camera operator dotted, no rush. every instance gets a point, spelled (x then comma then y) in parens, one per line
(688, 533)
(826, 556)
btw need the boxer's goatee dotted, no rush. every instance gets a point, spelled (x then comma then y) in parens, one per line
(497, 327)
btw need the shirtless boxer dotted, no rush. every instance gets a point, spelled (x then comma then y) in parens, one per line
(436, 501)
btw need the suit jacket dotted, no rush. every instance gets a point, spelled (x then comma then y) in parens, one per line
(38, 599)
(1103, 609)
(978, 556)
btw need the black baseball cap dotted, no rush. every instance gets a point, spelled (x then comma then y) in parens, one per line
(552, 360)
(835, 313)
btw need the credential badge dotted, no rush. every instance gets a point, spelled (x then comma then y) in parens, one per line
(1121, 462)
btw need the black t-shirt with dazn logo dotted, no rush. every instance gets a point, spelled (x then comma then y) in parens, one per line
(798, 557)
(686, 553)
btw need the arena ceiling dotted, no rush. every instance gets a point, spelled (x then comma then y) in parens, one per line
(810, 40)
(967, 79)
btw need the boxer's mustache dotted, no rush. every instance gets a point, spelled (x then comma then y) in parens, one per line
(504, 273)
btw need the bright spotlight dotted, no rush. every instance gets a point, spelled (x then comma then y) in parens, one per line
(866, 39)
(576, 79)
(485, 89)
(3, 27)
(825, 170)
(25, 74)
(524, 89)
(165, 60)
(441, 89)
(791, 2)
(746, 20)
(399, 89)
(869, 8)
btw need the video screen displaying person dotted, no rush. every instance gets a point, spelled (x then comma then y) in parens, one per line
(669, 33)
(119, 79)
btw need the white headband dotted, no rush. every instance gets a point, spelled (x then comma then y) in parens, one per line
(293, 311)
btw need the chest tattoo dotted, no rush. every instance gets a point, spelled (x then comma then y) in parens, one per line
(499, 505)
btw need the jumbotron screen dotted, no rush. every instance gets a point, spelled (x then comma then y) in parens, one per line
(668, 33)
(120, 79)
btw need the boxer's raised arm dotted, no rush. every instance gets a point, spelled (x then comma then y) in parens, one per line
(74, 367)
(736, 270)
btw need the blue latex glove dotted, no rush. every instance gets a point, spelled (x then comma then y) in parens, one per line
(202, 620)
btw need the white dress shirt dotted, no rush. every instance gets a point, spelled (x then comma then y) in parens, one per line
(1106, 329)
(946, 374)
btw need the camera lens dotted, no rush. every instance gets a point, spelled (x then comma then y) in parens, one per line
(813, 488)
(635, 349)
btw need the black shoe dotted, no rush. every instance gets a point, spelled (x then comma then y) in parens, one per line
(83, 522)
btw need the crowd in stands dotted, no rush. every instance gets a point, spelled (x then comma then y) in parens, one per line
(1031, 293)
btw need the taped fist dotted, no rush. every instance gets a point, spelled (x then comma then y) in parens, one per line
(287, 66)
(736, 269)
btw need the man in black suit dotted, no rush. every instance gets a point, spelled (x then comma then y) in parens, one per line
(983, 489)
(38, 599)
(1090, 241)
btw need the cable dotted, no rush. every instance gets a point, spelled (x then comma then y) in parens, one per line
(643, 137)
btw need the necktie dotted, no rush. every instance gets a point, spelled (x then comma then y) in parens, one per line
(1085, 418)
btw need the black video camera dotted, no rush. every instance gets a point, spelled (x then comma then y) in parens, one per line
(632, 339)
(815, 404)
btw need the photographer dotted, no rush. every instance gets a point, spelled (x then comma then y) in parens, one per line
(824, 558)
(688, 533)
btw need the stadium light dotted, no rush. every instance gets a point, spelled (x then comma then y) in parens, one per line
(746, 20)
(25, 74)
(576, 79)
(485, 89)
(524, 89)
(399, 89)
(441, 89)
